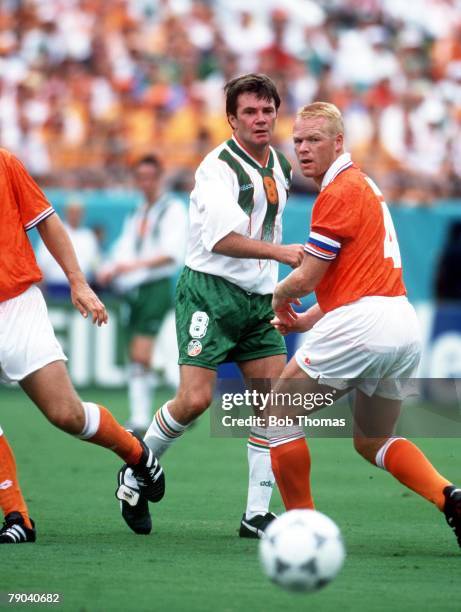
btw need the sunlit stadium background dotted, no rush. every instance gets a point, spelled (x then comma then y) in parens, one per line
(88, 86)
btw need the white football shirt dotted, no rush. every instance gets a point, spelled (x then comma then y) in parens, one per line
(230, 196)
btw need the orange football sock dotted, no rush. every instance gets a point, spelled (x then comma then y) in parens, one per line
(111, 434)
(406, 462)
(11, 499)
(291, 464)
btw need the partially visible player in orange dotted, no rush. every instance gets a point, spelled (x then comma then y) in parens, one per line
(363, 333)
(12, 502)
(30, 353)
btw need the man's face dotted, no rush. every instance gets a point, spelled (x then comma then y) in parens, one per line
(147, 178)
(254, 121)
(315, 146)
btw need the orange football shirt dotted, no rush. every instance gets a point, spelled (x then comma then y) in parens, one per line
(22, 206)
(351, 226)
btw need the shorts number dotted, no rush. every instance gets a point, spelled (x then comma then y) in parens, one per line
(198, 324)
(391, 245)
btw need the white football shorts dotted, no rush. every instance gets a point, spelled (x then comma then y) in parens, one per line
(373, 344)
(27, 340)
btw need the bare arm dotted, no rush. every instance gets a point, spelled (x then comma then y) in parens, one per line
(236, 245)
(56, 240)
(297, 284)
(106, 275)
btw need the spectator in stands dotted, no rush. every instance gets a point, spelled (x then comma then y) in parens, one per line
(85, 90)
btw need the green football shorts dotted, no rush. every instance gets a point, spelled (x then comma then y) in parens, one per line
(217, 321)
(148, 305)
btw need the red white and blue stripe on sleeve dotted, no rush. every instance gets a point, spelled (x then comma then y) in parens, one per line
(322, 246)
(43, 215)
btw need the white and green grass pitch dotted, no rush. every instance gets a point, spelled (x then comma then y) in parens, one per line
(401, 554)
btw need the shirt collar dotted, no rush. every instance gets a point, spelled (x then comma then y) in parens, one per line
(341, 163)
(245, 154)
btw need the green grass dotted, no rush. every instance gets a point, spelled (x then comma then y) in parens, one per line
(401, 555)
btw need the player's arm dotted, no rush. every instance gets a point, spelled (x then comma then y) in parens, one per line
(236, 245)
(303, 322)
(149, 262)
(56, 240)
(298, 284)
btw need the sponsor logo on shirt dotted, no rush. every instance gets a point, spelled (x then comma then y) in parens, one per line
(246, 187)
(307, 361)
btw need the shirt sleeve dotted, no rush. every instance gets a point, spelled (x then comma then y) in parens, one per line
(216, 195)
(32, 202)
(334, 221)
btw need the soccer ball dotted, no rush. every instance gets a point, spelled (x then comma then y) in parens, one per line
(302, 550)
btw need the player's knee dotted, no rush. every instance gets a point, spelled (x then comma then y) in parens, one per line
(366, 447)
(140, 358)
(195, 402)
(68, 417)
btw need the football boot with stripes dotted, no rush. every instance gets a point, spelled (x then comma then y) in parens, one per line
(134, 507)
(148, 474)
(452, 510)
(14, 530)
(255, 527)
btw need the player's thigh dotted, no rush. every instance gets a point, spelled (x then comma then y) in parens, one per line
(293, 384)
(52, 391)
(265, 368)
(375, 419)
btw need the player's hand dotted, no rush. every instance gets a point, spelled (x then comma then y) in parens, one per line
(283, 309)
(87, 303)
(302, 323)
(282, 328)
(291, 254)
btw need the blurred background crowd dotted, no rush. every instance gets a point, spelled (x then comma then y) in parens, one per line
(87, 86)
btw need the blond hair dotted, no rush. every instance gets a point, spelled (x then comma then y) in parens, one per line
(324, 109)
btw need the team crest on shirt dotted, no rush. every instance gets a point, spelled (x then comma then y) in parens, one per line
(194, 348)
(270, 188)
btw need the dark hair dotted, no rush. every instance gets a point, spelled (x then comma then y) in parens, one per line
(259, 84)
(150, 159)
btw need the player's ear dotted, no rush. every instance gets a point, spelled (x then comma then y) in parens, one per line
(232, 119)
(339, 142)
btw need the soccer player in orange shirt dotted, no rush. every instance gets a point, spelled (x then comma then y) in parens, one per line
(30, 353)
(362, 333)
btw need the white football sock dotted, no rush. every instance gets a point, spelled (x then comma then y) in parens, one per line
(140, 383)
(260, 477)
(163, 431)
(92, 419)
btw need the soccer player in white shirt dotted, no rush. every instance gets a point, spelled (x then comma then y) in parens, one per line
(143, 262)
(223, 298)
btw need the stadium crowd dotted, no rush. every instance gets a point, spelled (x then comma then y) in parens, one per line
(88, 86)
